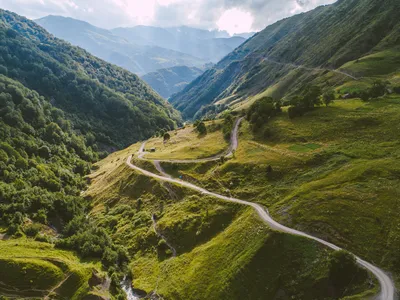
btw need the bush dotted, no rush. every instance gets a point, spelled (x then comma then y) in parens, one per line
(201, 128)
(295, 111)
(32, 230)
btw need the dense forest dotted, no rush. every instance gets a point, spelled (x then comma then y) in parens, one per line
(114, 105)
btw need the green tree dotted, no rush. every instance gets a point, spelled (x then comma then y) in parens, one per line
(167, 137)
(328, 97)
(201, 128)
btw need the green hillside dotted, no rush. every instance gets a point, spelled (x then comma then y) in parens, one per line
(113, 104)
(322, 39)
(167, 82)
(34, 270)
(223, 251)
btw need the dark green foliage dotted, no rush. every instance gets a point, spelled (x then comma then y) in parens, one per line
(113, 105)
(328, 97)
(309, 97)
(343, 270)
(227, 126)
(42, 162)
(261, 111)
(32, 230)
(92, 242)
(378, 89)
(201, 128)
(166, 137)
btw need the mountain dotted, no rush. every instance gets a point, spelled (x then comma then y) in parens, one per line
(167, 82)
(245, 35)
(98, 98)
(133, 55)
(208, 45)
(314, 42)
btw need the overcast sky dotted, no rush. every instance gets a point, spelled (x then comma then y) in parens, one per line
(235, 16)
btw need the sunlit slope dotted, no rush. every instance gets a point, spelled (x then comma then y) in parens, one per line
(219, 246)
(313, 43)
(35, 270)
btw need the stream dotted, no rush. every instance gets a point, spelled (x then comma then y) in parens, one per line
(126, 286)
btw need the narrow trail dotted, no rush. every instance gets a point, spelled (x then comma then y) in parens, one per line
(265, 58)
(387, 291)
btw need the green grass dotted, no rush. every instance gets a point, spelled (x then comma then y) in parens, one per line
(245, 261)
(187, 144)
(380, 63)
(335, 175)
(304, 148)
(34, 269)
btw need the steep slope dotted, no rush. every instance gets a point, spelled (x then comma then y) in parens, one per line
(223, 251)
(328, 36)
(113, 104)
(133, 56)
(169, 81)
(208, 45)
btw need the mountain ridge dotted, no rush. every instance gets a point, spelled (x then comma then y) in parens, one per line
(327, 36)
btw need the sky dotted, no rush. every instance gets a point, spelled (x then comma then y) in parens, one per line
(234, 16)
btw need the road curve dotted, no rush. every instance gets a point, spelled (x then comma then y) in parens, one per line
(227, 153)
(387, 286)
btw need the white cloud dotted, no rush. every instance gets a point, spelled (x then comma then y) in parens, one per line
(235, 20)
(231, 15)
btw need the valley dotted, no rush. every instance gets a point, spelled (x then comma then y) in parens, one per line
(273, 174)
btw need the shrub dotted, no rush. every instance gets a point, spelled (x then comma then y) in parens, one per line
(201, 128)
(328, 97)
(32, 230)
(167, 137)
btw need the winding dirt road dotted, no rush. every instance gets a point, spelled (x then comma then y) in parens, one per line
(387, 286)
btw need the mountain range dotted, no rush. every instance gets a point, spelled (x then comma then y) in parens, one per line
(144, 49)
(291, 51)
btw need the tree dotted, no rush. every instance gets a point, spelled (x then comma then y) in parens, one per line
(167, 137)
(201, 128)
(378, 89)
(328, 97)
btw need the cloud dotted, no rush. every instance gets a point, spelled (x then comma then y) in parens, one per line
(231, 15)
